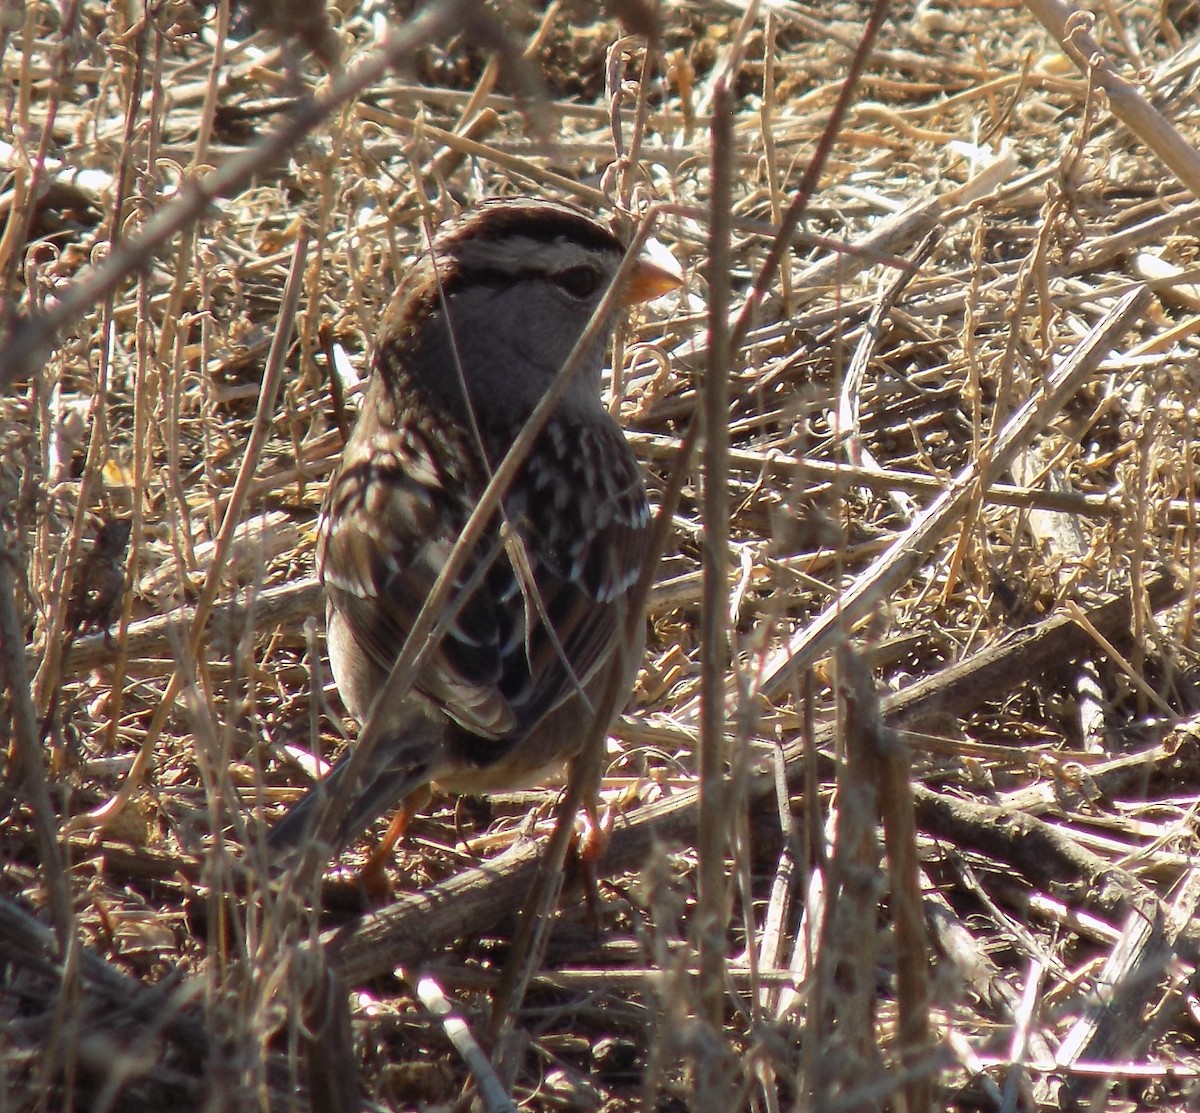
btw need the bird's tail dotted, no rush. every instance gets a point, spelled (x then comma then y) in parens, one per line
(399, 769)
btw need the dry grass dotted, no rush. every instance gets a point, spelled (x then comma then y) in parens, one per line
(955, 807)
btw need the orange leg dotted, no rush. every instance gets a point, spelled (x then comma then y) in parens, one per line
(595, 832)
(593, 835)
(373, 876)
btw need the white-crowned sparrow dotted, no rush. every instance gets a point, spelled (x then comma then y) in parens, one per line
(472, 339)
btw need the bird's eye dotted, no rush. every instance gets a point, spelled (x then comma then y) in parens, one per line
(580, 282)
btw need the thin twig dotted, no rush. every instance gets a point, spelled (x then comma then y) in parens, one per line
(712, 835)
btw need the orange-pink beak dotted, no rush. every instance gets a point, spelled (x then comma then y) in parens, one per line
(648, 280)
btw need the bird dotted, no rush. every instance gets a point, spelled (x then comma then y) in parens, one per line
(99, 582)
(471, 340)
(97, 592)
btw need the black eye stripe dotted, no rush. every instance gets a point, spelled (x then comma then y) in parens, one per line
(579, 281)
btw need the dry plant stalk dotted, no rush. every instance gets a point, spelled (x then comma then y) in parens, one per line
(158, 166)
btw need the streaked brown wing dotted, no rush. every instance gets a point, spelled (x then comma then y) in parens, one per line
(387, 532)
(585, 552)
(541, 614)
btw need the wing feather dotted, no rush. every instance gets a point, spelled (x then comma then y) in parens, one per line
(543, 605)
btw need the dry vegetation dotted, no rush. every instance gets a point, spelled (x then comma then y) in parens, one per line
(962, 778)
